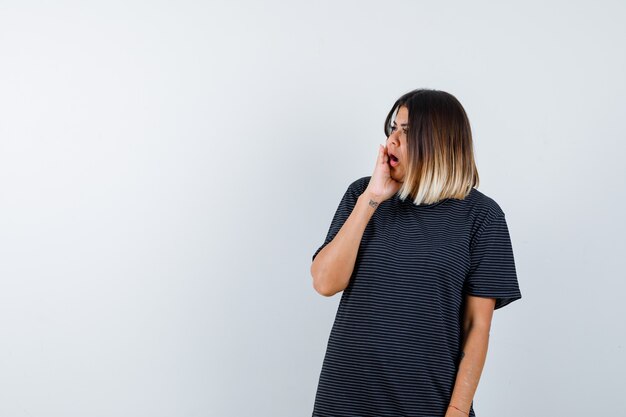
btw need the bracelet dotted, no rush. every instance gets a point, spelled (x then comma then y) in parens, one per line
(459, 409)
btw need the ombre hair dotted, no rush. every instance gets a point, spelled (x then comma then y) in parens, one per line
(440, 156)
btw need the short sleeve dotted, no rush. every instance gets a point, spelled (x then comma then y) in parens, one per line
(347, 203)
(492, 265)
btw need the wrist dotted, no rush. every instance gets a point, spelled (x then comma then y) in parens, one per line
(372, 201)
(455, 411)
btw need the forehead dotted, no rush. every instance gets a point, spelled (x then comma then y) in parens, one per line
(402, 114)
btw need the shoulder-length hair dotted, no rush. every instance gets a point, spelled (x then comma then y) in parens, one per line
(439, 144)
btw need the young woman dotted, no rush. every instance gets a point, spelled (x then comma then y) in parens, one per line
(423, 259)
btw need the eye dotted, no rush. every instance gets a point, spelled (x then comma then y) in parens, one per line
(394, 128)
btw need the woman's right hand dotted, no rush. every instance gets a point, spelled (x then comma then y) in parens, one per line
(381, 186)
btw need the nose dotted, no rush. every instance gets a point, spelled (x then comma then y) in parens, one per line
(393, 137)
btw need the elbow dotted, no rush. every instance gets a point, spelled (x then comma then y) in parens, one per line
(477, 326)
(322, 290)
(318, 284)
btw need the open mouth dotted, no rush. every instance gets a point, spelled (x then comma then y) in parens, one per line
(393, 160)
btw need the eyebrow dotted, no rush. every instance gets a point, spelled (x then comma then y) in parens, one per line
(403, 124)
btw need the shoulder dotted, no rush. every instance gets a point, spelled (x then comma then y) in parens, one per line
(483, 204)
(485, 212)
(359, 185)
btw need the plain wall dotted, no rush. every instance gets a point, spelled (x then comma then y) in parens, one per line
(167, 169)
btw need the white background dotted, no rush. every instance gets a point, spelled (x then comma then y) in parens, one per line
(167, 169)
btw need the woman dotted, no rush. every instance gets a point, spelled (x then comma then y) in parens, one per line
(423, 259)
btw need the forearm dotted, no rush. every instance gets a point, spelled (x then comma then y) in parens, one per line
(473, 357)
(332, 268)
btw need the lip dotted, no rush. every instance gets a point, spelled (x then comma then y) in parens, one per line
(392, 162)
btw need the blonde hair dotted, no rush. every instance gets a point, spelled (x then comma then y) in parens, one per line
(440, 156)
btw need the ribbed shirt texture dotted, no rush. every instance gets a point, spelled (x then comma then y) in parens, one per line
(395, 343)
